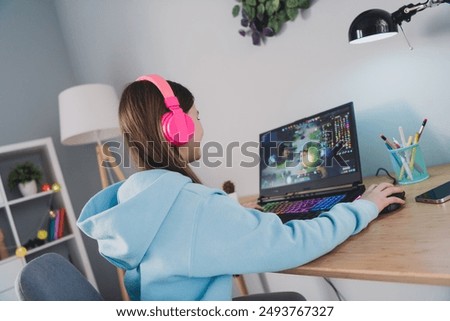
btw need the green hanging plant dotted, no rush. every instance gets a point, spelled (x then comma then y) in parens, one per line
(264, 18)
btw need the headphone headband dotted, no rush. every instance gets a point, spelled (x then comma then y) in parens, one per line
(169, 97)
(178, 128)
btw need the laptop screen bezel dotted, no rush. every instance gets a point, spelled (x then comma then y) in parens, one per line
(354, 178)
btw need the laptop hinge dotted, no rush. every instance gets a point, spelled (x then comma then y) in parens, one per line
(304, 194)
(264, 199)
(356, 184)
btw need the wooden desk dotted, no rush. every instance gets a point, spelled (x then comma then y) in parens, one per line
(411, 245)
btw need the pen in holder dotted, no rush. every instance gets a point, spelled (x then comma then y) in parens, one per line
(409, 164)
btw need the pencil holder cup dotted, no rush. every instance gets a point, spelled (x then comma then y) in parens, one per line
(409, 165)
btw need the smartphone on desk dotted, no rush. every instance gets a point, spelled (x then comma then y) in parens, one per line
(437, 195)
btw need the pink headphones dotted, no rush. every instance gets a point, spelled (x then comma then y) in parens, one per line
(178, 128)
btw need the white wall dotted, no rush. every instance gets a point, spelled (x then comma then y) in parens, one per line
(242, 90)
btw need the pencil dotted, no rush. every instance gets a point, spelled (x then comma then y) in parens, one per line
(408, 158)
(421, 129)
(413, 153)
(388, 142)
(402, 135)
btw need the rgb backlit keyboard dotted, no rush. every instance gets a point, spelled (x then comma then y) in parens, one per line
(303, 206)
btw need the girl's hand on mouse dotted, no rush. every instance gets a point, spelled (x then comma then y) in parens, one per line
(380, 195)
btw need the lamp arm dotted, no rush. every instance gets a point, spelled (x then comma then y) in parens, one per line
(406, 12)
(433, 3)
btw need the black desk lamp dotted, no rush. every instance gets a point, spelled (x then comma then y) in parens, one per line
(378, 24)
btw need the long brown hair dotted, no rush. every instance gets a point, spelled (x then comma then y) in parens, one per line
(140, 111)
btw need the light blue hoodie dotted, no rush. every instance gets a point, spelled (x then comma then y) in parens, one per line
(183, 241)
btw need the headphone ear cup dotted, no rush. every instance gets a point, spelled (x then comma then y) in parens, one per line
(178, 128)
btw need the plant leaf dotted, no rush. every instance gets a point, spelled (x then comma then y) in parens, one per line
(260, 9)
(282, 16)
(268, 32)
(304, 4)
(292, 13)
(292, 3)
(236, 10)
(274, 24)
(272, 6)
(256, 38)
(250, 11)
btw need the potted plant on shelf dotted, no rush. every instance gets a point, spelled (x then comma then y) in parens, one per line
(25, 176)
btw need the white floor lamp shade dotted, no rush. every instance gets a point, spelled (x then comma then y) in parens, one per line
(88, 114)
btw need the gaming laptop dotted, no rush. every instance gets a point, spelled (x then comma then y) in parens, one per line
(309, 165)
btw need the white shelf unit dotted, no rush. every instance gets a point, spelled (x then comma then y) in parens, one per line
(21, 217)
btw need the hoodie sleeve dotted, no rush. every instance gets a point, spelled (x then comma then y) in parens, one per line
(231, 239)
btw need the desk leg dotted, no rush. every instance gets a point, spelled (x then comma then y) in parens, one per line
(240, 282)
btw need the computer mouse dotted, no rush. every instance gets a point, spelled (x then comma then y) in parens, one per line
(394, 206)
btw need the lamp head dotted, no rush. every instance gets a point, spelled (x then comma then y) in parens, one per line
(371, 25)
(378, 24)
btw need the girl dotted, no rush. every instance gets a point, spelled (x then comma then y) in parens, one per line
(180, 240)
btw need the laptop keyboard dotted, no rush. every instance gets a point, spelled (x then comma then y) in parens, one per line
(303, 206)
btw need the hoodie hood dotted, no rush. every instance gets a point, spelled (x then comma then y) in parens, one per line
(141, 198)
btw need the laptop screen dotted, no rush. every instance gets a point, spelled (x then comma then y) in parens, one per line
(312, 153)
